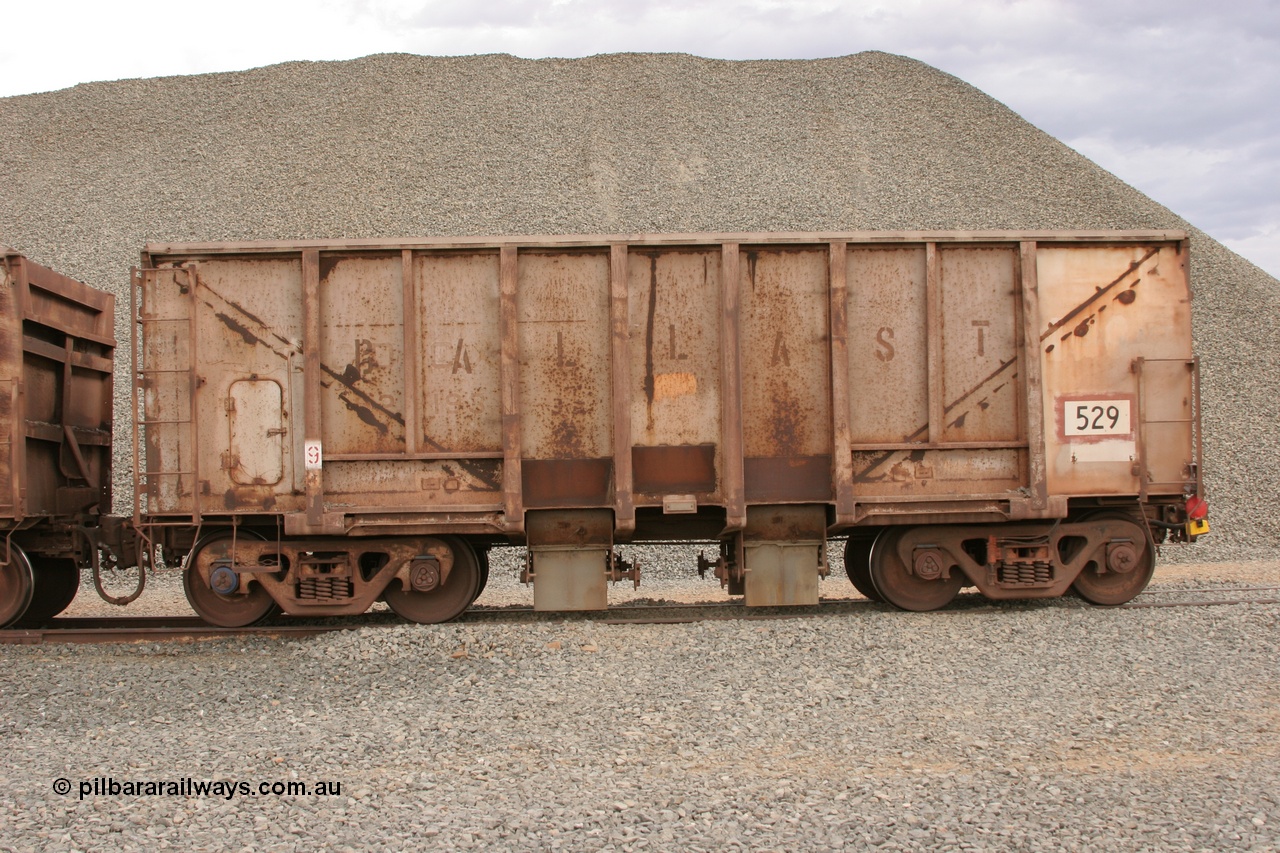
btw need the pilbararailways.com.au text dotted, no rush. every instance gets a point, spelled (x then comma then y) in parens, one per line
(107, 786)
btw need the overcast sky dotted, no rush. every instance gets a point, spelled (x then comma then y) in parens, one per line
(1180, 98)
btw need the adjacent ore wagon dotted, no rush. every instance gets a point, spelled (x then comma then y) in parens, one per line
(56, 344)
(326, 424)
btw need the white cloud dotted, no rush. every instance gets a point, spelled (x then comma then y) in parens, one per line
(1262, 248)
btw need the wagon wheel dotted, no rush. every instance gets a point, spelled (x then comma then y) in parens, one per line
(17, 584)
(857, 564)
(233, 610)
(57, 580)
(482, 558)
(899, 585)
(1128, 566)
(447, 601)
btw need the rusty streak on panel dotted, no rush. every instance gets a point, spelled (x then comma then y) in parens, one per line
(842, 461)
(240, 328)
(1099, 293)
(933, 346)
(193, 285)
(1033, 380)
(509, 376)
(411, 345)
(675, 469)
(1001, 368)
(566, 483)
(731, 385)
(650, 381)
(624, 505)
(311, 378)
(776, 479)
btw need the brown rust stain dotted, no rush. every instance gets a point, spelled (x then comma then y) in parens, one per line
(259, 498)
(672, 469)
(368, 402)
(239, 328)
(650, 382)
(786, 425)
(649, 385)
(667, 386)
(795, 478)
(328, 263)
(365, 414)
(249, 315)
(1103, 291)
(566, 437)
(566, 482)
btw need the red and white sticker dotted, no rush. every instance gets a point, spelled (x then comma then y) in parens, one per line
(312, 456)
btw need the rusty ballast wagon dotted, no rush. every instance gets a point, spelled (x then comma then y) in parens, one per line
(57, 342)
(323, 424)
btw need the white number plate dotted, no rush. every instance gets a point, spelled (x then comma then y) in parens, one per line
(313, 457)
(1089, 418)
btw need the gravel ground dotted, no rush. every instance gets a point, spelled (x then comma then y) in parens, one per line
(1047, 727)
(399, 145)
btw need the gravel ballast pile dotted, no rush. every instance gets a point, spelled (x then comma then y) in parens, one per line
(397, 145)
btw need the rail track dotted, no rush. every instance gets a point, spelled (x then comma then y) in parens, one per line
(190, 628)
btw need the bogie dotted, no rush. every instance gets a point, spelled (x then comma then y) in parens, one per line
(235, 578)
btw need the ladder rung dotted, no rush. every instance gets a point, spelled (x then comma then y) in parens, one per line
(147, 371)
(153, 423)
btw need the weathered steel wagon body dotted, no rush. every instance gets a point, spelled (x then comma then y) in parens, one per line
(325, 423)
(56, 346)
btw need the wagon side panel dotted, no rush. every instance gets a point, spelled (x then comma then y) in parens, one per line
(786, 374)
(57, 364)
(937, 407)
(565, 378)
(1119, 393)
(675, 343)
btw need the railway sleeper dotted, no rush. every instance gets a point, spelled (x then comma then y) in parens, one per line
(238, 579)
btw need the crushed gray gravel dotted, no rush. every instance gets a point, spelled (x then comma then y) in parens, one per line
(1052, 727)
(399, 145)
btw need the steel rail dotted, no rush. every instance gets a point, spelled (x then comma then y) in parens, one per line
(146, 629)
